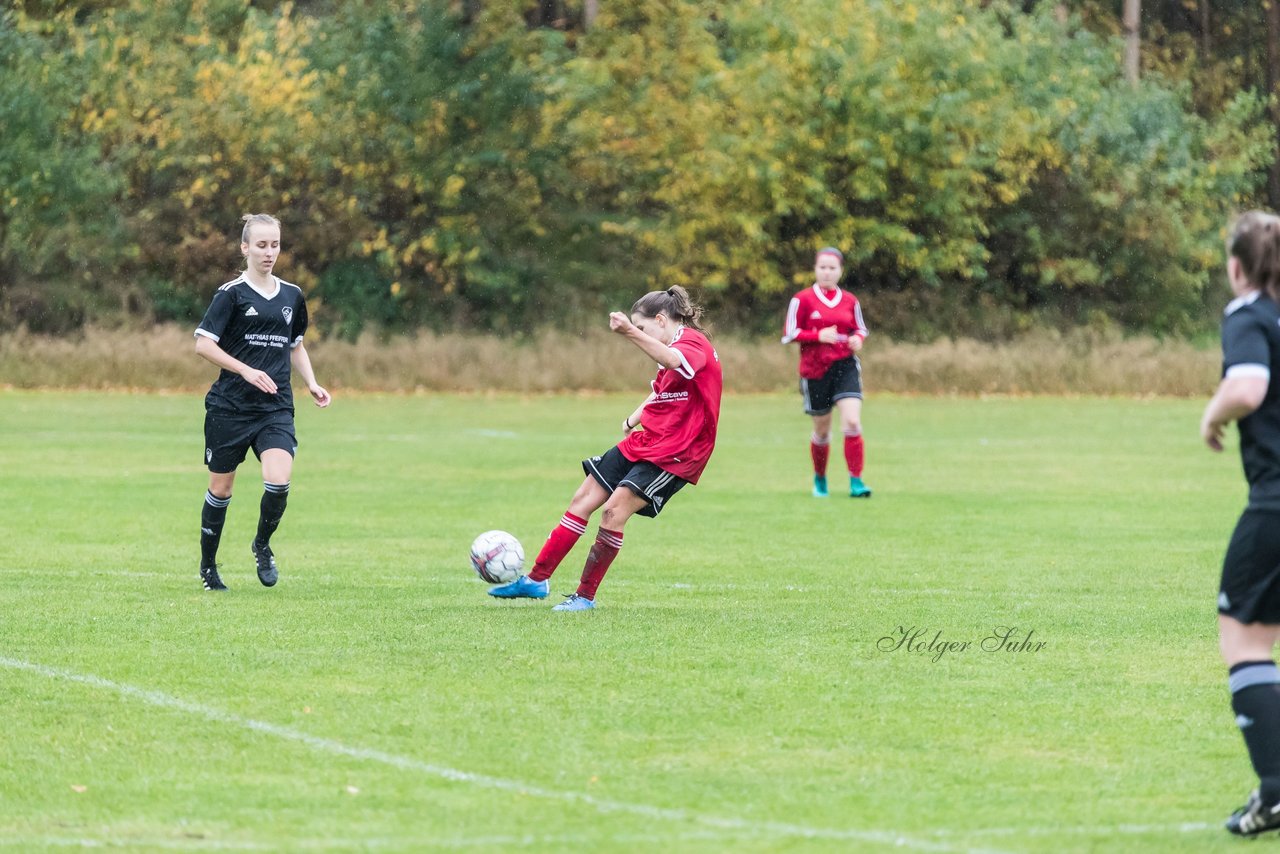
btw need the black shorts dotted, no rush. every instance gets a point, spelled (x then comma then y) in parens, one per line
(228, 436)
(1250, 588)
(646, 480)
(842, 379)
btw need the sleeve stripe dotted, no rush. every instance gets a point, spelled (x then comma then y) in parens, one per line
(1248, 369)
(207, 334)
(791, 330)
(684, 369)
(857, 319)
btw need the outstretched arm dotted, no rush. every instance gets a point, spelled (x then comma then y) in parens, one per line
(650, 346)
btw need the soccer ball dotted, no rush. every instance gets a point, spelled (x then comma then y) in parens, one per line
(497, 557)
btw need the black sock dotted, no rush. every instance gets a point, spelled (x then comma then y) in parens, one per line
(212, 516)
(274, 498)
(1255, 698)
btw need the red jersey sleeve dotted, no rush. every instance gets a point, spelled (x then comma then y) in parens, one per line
(791, 327)
(693, 358)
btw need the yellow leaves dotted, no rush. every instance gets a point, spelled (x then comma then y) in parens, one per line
(453, 187)
(378, 244)
(1007, 194)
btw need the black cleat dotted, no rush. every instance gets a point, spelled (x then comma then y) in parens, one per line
(268, 572)
(1254, 818)
(209, 575)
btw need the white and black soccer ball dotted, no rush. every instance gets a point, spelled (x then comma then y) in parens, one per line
(497, 557)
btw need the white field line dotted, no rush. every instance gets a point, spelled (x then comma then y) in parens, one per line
(25, 842)
(489, 843)
(325, 745)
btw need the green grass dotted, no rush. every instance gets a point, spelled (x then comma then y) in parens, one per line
(728, 693)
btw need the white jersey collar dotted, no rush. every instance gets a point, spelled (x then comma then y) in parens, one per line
(822, 295)
(259, 291)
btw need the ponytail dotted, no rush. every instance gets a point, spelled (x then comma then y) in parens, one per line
(674, 302)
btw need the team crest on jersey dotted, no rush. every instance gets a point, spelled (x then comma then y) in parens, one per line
(288, 314)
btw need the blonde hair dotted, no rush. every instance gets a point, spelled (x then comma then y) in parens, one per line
(250, 220)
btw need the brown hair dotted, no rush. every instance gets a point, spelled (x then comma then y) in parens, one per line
(1254, 240)
(829, 250)
(674, 302)
(250, 220)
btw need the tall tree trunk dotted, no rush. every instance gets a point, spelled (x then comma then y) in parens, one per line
(590, 9)
(548, 13)
(1206, 32)
(1273, 74)
(1132, 39)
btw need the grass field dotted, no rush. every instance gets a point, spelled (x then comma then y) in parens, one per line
(731, 693)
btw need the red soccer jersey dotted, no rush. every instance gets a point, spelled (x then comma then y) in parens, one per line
(680, 422)
(814, 309)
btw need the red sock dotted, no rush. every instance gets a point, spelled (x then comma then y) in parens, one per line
(819, 451)
(853, 454)
(603, 551)
(559, 542)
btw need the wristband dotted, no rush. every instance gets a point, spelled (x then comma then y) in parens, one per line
(626, 423)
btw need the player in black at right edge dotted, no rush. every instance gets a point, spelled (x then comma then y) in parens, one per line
(1249, 594)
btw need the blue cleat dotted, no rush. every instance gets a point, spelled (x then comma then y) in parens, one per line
(521, 588)
(819, 486)
(858, 489)
(575, 603)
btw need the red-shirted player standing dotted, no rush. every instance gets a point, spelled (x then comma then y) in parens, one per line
(666, 443)
(827, 322)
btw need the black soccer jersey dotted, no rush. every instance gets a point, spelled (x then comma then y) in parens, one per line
(1251, 347)
(260, 331)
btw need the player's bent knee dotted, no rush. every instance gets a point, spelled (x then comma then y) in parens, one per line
(614, 518)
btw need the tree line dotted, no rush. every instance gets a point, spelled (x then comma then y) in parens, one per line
(508, 164)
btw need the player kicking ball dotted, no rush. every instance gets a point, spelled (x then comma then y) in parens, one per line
(666, 443)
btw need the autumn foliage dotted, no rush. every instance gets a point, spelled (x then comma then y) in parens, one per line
(440, 164)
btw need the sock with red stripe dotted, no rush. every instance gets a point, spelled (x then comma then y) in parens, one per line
(603, 551)
(819, 449)
(853, 454)
(559, 542)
